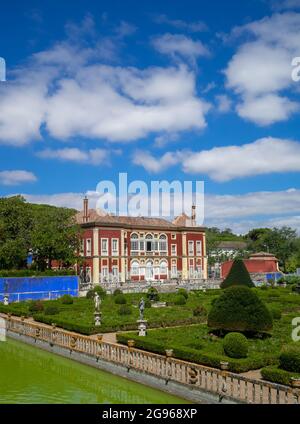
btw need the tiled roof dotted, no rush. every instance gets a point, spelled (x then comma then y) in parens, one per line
(94, 217)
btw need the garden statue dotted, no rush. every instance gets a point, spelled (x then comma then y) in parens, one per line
(97, 301)
(5, 300)
(142, 308)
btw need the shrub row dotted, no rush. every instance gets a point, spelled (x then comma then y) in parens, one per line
(194, 355)
(277, 375)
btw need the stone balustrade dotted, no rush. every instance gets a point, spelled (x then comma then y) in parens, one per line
(219, 382)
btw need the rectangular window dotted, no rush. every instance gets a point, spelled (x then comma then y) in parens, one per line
(163, 246)
(104, 271)
(191, 248)
(134, 245)
(82, 247)
(199, 248)
(88, 247)
(173, 249)
(115, 271)
(115, 247)
(104, 247)
(174, 271)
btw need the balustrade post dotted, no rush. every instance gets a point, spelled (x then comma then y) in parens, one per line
(169, 354)
(224, 367)
(130, 344)
(295, 383)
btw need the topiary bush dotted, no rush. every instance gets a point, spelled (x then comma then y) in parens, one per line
(51, 310)
(237, 276)
(289, 359)
(66, 299)
(36, 306)
(120, 299)
(180, 300)
(239, 308)
(183, 292)
(117, 291)
(235, 345)
(124, 310)
(199, 311)
(91, 293)
(152, 294)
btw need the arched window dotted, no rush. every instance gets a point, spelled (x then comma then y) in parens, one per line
(163, 268)
(149, 270)
(149, 243)
(163, 243)
(134, 268)
(134, 242)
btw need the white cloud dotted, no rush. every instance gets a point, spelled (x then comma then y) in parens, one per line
(16, 177)
(180, 46)
(61, 91)
(73, 154)
(155, 165)
(263, 156)
(223, 103)
(197, 26)
(260, 70)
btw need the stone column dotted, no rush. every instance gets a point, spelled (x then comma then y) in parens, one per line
(204, 259)
(96, 268)
(184, 258)
(123, 266)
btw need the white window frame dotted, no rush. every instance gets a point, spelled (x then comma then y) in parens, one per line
(115, 252)
(191, 252)
(134, 270)
(198, 250)
(104, 252)
(88, 246)
(104, 274)
(173, 252)
(113, 269)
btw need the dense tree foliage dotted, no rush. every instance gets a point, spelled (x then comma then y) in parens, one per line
(48, 232)
(239, 309)
(237, 276)
(282, 242)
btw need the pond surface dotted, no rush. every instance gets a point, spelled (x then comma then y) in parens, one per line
(31, 375)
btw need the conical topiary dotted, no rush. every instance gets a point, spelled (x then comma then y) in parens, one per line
(237, 276)
(239, 309)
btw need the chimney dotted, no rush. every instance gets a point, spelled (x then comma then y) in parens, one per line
(193, 215)
(85, 209)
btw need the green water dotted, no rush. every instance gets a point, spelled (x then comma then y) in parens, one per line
(31, 375)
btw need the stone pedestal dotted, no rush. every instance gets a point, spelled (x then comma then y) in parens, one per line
(142, 327)
(97, 317)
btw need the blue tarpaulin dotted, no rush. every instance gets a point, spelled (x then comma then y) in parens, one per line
(26, 288)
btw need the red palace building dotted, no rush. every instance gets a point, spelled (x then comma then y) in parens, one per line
(124, 249)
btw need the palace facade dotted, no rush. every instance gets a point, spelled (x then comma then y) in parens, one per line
(123, 249)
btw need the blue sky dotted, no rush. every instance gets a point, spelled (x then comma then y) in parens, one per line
(189, 90)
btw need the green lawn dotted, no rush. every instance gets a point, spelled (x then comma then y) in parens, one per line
(80, 315)
(195, 342)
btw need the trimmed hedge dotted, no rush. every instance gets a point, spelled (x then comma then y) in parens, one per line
(51, 310)
(239, 309)
(196, 355)
(180, 300)
(237, 276)
(36, 306)
(199, 311)
(289, 359)
(66, 299)
(275, 312)
(277, 375)
(125, 310)
(235, 345)
(183, 292)
(120, 299)
(98, 289)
